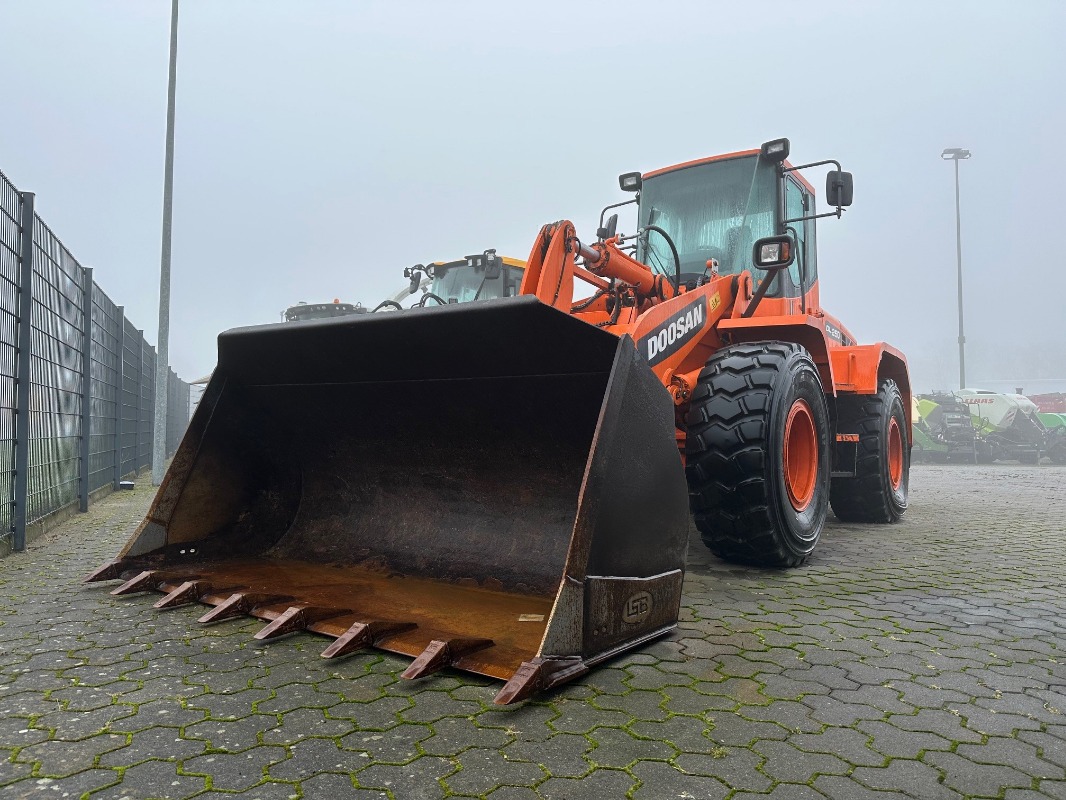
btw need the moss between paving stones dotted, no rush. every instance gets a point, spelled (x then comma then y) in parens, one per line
(926, 658)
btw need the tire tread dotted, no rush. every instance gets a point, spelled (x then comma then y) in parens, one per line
(865, 498)
(728, 432)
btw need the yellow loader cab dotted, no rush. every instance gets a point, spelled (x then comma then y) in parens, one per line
(478, 277)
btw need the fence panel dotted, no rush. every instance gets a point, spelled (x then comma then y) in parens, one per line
(10, 242)
(56, 353)
(105, 388)
(131, 397)
(177, 412)
(146, 421)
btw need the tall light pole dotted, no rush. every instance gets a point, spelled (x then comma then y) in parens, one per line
(955, 154)
(162, 355)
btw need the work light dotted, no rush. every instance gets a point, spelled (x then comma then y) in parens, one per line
(775, 150)
(629, 182)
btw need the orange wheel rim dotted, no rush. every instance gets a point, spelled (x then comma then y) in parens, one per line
(895, 454)
(801, 455)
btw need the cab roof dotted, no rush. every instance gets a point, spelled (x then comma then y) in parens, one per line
(511, 262)
(723, 157)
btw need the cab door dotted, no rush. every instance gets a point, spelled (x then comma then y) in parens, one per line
(799, 202)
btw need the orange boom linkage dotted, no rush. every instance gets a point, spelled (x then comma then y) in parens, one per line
(495, 486)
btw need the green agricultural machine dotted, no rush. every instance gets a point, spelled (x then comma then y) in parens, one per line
(944, 431)
(1012, 426)
(1054, 436)
(978, 427)
(1052, 421)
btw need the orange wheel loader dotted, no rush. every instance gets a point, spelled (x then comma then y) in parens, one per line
(504, 487)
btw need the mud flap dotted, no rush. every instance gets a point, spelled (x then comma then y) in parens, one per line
(489, 486)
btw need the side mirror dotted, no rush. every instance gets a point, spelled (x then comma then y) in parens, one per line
(493, 265)
(608, 230)
(773, 252)
(838, 188)
(415, 274)
(630, 182)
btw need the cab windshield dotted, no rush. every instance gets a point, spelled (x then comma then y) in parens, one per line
(465, 283)
(715, 210)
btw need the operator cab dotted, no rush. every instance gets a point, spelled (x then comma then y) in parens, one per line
(715, 209)
(478, 277)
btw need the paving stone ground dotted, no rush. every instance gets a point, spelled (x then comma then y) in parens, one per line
(923, 660)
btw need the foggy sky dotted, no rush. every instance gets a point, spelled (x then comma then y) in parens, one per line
(321, 146)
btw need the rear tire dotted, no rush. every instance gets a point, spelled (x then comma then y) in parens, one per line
(984, 452)
(878, 492)
(1057, 451)
(757, 454)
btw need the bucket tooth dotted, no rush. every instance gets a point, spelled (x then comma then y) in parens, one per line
(297, 618)
(141, 582)
(240, 603)
(106, 572)
(190, 592)
(443, 653)
(365, 634)
(537, 675)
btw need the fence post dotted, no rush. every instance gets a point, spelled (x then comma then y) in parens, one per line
(22, 381)
(120, 394)
(140, 387)
(86, 381)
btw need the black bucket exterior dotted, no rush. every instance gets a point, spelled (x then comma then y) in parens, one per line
(501, 447)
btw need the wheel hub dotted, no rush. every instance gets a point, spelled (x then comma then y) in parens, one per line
(895, 455)
(800, 455)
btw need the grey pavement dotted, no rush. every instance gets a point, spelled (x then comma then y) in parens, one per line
(923, 660)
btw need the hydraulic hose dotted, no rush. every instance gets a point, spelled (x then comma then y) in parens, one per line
(673, 249)
(430, 296)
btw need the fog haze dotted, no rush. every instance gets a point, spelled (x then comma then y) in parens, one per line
(323, 146)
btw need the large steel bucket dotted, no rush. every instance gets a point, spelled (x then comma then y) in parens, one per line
(490, 486)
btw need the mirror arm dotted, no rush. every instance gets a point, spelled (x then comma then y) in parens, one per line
(837, 213)
(617, 205)
(764, 287)
(832, 161)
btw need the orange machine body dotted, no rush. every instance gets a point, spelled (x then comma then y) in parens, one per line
(676, 331)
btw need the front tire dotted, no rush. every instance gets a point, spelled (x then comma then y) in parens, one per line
(757, 454)
(879, 490)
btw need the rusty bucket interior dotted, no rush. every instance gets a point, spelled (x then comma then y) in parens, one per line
(491, 486)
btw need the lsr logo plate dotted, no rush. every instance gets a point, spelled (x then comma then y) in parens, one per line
(671, 335)
(637, 608)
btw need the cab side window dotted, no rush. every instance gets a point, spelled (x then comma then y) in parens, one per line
(800, 203)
